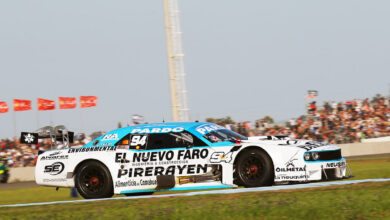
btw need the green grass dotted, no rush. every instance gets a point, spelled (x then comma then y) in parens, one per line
(358, 201)
(370, 168)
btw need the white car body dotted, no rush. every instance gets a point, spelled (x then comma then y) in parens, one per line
(194, 167)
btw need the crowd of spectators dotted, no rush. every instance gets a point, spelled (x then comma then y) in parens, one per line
(21, 155)
(334, 122)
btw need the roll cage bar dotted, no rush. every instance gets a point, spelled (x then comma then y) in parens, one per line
(54, 134)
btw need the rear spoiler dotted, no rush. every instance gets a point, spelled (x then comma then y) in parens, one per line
(58, 133)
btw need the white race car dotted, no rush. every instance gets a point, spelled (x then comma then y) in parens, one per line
(143, 159)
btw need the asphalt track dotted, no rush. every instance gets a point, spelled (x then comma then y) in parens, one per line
(225, 191)
(17, 185)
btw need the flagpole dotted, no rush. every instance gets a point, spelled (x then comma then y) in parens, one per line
(37, 119)
(14, 121)
(51, 118)
(82, 120)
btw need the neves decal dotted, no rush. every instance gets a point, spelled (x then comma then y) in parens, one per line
(336, 164)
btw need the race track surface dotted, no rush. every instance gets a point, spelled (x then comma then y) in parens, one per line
(17, 185)
(226, 191)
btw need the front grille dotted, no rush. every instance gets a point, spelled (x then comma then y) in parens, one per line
(330, 155)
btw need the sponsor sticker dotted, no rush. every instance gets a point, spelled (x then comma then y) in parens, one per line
(290, 166)
(54, 180)
(55, 168)
(129, 183)
(204, 129)
(190, 154)
(286, 177)
(90, 149)
(121, 158)
(110, 137)
(311, 145)
(290, 169)
(336, 164)
(218, 157)
(55, 156)
(156, 130)
(159, 170)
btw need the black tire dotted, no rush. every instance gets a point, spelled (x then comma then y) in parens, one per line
(4, 177)
(253, 168)
(93, 181)
(139, 194)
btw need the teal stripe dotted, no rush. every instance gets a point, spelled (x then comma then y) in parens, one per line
(176, 189)
(322, 161)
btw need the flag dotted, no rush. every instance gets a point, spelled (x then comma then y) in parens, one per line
(312, 94)
(44, 104)
(88, 101)
(137, 119)
(67, 102)
(22, 105)
(3, 107)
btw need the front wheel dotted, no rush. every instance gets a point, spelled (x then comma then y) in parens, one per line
(253, 168)
(93, 180)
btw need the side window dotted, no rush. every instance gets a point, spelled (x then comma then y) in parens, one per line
(173, 140)
(135, 141)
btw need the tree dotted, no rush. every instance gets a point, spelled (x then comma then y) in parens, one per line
(376, 98)
(221, 121)
(268, 119)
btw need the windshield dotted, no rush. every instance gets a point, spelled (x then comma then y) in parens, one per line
(223, 135)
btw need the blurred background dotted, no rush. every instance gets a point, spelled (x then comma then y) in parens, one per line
(249, 65)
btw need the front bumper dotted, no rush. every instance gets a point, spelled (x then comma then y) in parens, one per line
(317, 170)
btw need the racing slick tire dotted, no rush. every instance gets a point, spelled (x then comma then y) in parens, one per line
(93, 181)
(253, 168)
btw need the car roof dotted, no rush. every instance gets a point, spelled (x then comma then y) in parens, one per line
(113, 136)
(196, 128)
(185, 125)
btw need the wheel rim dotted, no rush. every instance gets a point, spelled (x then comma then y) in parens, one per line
(252, 170)
(91, 180)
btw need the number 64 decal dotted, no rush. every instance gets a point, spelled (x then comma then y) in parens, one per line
(218, 157)
(138, 140)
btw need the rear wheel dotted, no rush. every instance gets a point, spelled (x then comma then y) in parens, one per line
(253, 168)
(93, 180)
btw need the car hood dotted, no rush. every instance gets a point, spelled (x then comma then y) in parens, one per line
(308, 145)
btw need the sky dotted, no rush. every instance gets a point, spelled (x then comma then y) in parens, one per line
(244, 59)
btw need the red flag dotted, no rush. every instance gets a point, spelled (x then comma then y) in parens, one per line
(88, 101)
(67, 102)
(22, 105)
(44, 104)
(3, 107)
